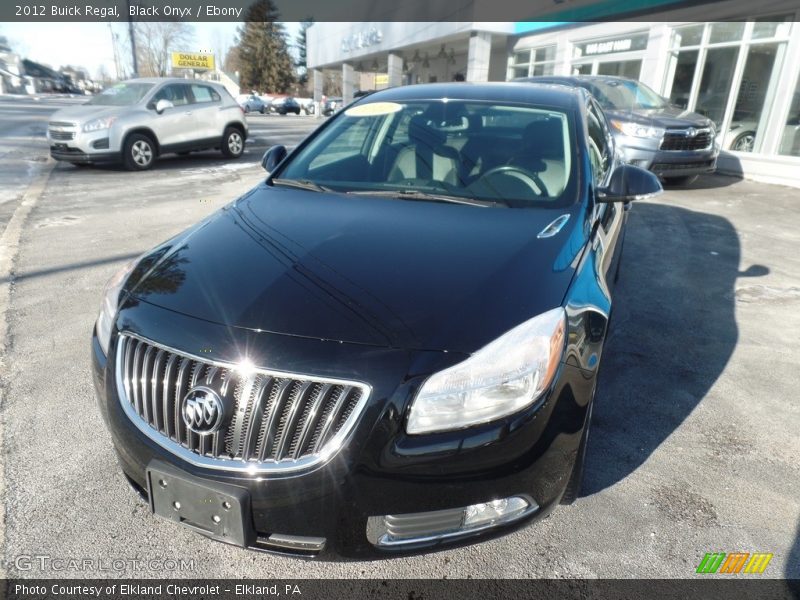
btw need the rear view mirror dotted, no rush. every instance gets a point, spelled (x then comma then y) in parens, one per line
(163, 105)
(273, 157)
(630, 183)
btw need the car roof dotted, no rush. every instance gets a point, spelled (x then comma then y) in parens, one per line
(574, 79)
(554, 95)
(168, 80)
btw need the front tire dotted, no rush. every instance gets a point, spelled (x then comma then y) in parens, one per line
(138, 152)
(232, 143)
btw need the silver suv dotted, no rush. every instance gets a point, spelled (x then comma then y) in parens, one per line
(137, 120)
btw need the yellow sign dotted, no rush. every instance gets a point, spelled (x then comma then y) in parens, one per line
(189, 60)
(381, 79)
(373, 109)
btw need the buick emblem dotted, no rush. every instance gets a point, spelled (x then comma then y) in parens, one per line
(691, 132)
(202, 410)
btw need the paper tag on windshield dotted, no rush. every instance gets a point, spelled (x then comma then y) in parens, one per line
(373, 109)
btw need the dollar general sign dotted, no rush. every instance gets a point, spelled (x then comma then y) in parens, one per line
(186, 60)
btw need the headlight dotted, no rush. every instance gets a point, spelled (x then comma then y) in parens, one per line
(501, 378)
(636, 130)
(98, 124)
(108, 310)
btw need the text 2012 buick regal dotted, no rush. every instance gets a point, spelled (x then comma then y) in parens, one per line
(391, 343)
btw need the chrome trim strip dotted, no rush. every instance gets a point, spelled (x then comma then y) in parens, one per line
(318, 458)
(294, 542)
(383, 539)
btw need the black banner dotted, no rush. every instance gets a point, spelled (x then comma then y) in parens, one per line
(711, 588)
(388, 10)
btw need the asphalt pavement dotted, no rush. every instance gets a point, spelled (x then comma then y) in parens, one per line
(694, 443)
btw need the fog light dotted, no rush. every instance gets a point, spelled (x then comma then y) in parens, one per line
(441, 525)
(488, 512)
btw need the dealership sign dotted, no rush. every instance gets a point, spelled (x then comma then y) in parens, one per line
(188, 60)
(625, 44)
(362, 39)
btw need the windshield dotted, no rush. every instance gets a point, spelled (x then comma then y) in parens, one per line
(121, 94)
(486, 153)
(625, 95)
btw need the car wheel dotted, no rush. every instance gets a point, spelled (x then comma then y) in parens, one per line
(263, 110)
(138, 152)
(680, 181)
(232, 143)
(246, 109)
(744, 142)
(573, 489)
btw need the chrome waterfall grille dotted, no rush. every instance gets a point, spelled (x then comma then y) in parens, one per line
(271, 421)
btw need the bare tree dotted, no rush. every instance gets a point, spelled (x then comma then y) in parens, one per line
(155, 41)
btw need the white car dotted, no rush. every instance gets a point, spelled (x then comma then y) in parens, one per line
(136, 121)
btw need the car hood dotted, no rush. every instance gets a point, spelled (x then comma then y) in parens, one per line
(85, 112)
(393, 273)
(668, 117)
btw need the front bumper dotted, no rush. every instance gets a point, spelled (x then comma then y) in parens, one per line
(381, 470)
(71, 144)
(667, 163)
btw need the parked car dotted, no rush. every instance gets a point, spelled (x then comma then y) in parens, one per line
(288, 105)
(138, 120)
(306, 105)
(383, 346)
(331, 105)
(253, 103)
(675, 144)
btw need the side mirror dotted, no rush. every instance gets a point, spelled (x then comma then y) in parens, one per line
(630, 183)
(273, 157)
(163, 105)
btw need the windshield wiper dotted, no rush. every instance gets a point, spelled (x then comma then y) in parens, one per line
(303, 184)
(418, 195)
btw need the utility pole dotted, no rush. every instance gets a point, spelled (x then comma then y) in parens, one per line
(133, 41)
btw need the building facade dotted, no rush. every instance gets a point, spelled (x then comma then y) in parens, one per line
(744, 75)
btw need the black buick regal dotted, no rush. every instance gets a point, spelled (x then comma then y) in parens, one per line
(390, 344)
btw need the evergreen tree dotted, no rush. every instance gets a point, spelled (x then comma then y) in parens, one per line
(264, 61)
(301, 42)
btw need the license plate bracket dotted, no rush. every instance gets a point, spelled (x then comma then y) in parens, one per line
(217, 510)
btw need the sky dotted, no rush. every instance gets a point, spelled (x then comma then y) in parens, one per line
(88, 45)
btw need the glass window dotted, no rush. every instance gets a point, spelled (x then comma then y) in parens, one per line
(631, 69)
(521, 156)
(585, 69)
(547, 53)
(546, 69)
(726, 32)
(771, 27)
(624, 95)
(519, 72)
(751, 96)
(691, 35)
(790, 139)
(715, 83)
(599, 150)
(683, 66)
(175, 93)
(203, 93)
(121, 94)
(522, 57)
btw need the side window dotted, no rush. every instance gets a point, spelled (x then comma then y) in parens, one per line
(599, 149)
(203, 93)
(175, 93)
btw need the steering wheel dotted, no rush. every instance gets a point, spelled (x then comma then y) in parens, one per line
(532, 180)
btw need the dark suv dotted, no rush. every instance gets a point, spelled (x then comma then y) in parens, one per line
(675, 144)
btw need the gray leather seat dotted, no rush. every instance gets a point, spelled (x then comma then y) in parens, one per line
(426, 157)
